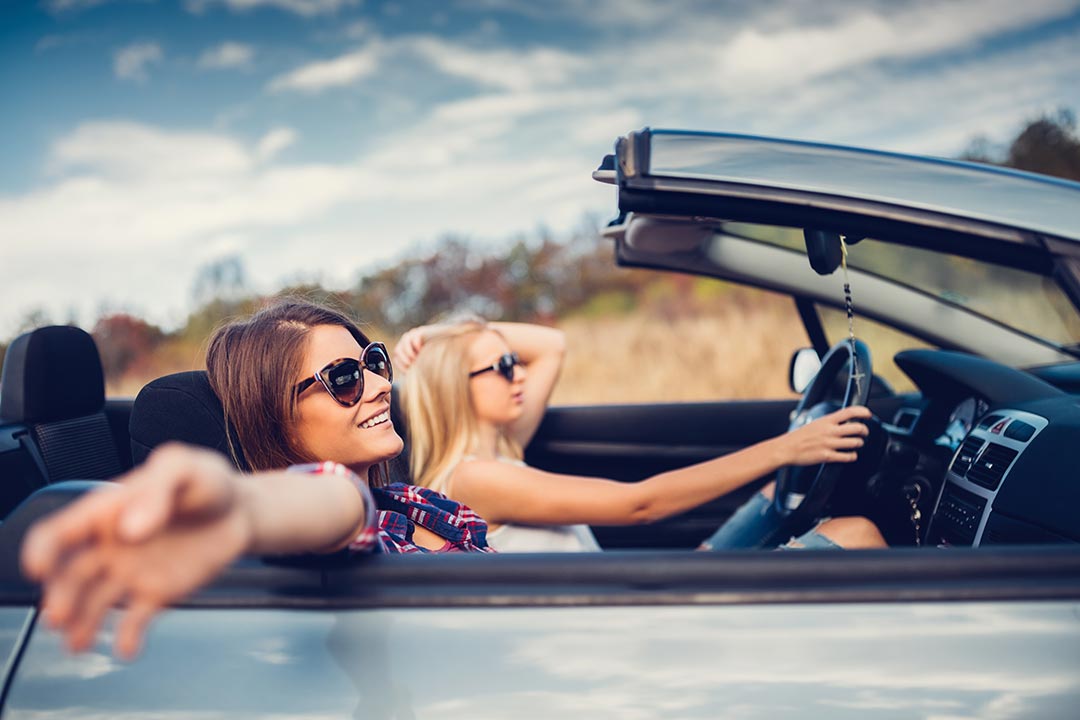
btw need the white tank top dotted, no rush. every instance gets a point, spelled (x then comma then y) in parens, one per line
(512, 538)
(543, 538)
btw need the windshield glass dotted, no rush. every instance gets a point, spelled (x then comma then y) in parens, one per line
(1024, 301)
(1003, 197)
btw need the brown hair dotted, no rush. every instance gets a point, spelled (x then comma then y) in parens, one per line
(253, 365)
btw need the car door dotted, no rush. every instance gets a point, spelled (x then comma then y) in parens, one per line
(634, 634)
(631, 442)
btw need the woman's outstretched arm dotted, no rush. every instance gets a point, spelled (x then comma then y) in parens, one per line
(170, 526)
(503, 493)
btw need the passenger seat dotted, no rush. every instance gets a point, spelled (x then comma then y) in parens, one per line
(53, 384)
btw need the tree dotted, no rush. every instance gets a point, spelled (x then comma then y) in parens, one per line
(123, 341)
(1048, 145)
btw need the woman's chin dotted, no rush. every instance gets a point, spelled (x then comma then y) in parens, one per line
(378, 448)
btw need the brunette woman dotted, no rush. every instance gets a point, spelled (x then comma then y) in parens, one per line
(304, 387)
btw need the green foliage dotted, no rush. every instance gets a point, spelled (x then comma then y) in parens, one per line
(611, 302)
(1047, 144)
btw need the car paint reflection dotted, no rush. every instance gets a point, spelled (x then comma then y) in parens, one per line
(776, 661)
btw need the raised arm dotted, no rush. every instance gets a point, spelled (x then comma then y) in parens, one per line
(169, 527)
(541, 350)
(504, 493)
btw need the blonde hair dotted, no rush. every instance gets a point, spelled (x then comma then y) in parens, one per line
(443, 428)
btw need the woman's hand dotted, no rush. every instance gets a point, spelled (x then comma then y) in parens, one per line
(409, 346)
(833, 438)
(165, 529)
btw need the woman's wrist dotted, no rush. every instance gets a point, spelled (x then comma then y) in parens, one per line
(781, 450)
(243, 523)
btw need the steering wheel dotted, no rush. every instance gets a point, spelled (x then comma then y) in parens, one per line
(802, 491)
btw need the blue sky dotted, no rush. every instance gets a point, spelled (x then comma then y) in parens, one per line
(143, 139)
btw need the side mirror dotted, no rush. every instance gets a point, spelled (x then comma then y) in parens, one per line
(805, 364)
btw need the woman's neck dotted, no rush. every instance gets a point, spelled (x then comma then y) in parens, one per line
(363, 472)
(487, 442)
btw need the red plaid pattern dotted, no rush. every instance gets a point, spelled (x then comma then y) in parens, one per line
(394, 511)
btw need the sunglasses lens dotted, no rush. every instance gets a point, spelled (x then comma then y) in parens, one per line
(344, 381)
(377, 360)
(506, 366)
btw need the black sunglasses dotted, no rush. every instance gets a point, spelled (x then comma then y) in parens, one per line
(504, 366)
(344, 378)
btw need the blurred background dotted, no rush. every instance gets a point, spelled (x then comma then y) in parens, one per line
(168, 164)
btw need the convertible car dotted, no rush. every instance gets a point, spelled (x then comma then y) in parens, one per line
(968, 277)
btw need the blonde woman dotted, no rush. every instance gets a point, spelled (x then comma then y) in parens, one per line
(475, 393)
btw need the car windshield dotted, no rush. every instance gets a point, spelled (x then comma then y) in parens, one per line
(995, 195)
(1024, 301)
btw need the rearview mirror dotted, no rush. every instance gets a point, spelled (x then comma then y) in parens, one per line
(823, 249)
(805, 364)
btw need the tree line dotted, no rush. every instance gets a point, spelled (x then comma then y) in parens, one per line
(533, 278)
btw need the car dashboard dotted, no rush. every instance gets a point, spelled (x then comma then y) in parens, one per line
(1007, 441)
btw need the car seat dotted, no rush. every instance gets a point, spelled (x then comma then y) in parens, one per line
(53, 384)
(181, 407)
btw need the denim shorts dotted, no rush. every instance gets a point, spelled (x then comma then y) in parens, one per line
(757, 525)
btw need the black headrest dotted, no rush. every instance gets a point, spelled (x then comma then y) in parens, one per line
(52, 373)
(180, 407)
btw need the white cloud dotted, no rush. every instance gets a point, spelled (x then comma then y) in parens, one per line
(274, 142)
(502, 68)
(131, 62)
(304, 8)
(227, 55)
(793, 54)
(87, 666)
(128, 198)
(343, 70)
(134, 152)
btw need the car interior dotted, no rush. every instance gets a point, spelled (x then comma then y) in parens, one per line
(973, 459)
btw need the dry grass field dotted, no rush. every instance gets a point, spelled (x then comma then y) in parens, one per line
(739, 347)
(734, 344)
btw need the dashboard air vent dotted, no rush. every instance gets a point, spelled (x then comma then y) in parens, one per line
(991, 466)
(967, 454)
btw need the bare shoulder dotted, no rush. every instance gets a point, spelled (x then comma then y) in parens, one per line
(475, 473)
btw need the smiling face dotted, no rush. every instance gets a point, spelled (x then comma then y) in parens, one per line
(359, 436)
(495, 400)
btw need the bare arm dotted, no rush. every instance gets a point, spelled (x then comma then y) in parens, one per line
(169, 527)
(541, 349)
(504, 493)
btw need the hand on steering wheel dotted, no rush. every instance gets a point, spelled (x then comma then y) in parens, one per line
(801, 492)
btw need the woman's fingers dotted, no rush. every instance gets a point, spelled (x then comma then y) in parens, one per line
(852, 413)
(67, 587)
(175, 482)
(100, 598)
(851, 428)
(131, 629)
(48, 542)
(848, 443)
(150, 506)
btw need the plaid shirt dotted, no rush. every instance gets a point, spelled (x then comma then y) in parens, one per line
(394, 511)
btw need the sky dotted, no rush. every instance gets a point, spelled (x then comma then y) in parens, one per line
(321, 139)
